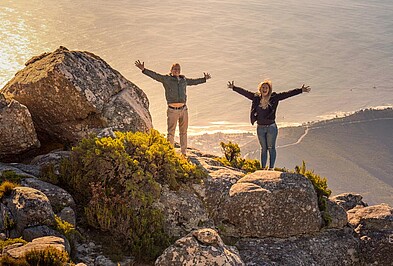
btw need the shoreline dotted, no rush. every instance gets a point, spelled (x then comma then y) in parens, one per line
(328, 119)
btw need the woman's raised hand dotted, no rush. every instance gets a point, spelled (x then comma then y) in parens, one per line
(305, 88)
(231, 84)
(140, 65)
(207, 76)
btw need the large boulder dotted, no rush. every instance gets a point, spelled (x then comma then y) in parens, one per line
(17, 134)
(329, 247)
(374, 226)
(200, 247)
(71, 94)
(270, 203)
(29, 207)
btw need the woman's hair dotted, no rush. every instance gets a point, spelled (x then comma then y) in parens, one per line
(265, 99)
(175, 65)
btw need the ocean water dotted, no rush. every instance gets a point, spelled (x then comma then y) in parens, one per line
(343, 49)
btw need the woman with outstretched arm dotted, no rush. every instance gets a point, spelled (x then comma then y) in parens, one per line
(263, 111)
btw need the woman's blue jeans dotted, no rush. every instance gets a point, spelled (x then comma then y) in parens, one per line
(267, 136)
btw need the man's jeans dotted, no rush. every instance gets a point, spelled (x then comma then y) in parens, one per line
(267, 136)
(172, 117)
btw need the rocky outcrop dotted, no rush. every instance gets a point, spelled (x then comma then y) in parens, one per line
(17, 134)
(71, 94)
(349, 200)
(374, 226)
(28, 207)
(330, 247)
(200, 247)
(38, 244)
(270, 203)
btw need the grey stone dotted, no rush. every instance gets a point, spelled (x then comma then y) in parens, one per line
(17, 134)
(34, 232)
(29, 207)
(337, 214)
(16, 168)
(183, 211)
(200, 247)
(329, 247)
(71, 94)
(50, 159)
(374, 226)
(67, 214)
(7, 220)
(101, 260)
(377, 217)
(349, 200)
(58, 197)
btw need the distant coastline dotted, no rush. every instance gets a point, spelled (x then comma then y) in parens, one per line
(355, 152)
(246, 128)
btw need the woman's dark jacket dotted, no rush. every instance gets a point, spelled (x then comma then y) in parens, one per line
(267, 116)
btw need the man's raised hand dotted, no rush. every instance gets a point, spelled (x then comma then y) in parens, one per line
(207, 76)
(140, 65)
(305, 88)
(231, 84)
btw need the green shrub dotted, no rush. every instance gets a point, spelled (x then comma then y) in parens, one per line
(117, 180)
(7, 260)
(9, 175)
(67, 230)
(232, 157)
(10, 261)
(10, 241)
(6, 188)
(48, 174)
(50, 256)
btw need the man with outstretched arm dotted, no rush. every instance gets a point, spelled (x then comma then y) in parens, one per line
(176, 97)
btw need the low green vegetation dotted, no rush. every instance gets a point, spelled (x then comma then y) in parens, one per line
(67, 230)
(232, 158)
(117, 182)
(48, 174)
(9, 175)
(50, 256)
(10, 241)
